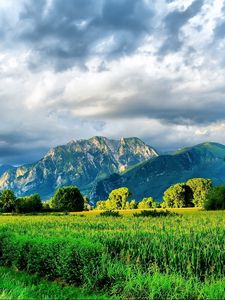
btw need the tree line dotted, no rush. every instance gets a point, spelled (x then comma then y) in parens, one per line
(65, 199)
(196, 192)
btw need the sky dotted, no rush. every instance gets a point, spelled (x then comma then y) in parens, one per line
(73, 69)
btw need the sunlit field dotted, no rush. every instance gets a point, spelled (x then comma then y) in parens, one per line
(130, 212)
(180, 256)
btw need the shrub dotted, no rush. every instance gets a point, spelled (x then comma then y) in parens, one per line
(110, 213)
(154, 213)
(68, 198)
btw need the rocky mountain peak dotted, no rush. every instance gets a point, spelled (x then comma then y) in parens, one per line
(81, 163)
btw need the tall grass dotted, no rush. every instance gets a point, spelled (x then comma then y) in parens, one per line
(128, 256)
(19, 285)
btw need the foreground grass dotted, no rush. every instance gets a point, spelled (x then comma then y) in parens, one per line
(19, 285)
(179, 256)
(170, 287)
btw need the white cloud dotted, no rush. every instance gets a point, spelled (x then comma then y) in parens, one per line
(169, 100)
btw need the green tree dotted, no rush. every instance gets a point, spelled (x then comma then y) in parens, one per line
(68, 198)
(127, 206)
(46, 206)
(147, 203)
(101, 205)
(178, 195)
(215, 198)
(111, 205)
(29, 204)
(7, 201)
(200, 188)
(133, 204)
(119, 197)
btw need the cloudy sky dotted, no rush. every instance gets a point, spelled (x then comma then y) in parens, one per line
(72, 69)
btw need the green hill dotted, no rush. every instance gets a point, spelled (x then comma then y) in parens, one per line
(154, 176)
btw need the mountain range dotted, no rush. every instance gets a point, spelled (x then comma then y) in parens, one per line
(98, 165)
(153, 177)
(82, 163)
(4, 168)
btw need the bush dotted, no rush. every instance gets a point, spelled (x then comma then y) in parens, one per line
(29, 204)
(215, 198)
(154, 213)
(110, 213)
(68, 198)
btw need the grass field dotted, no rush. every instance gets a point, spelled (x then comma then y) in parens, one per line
(181, 256)
(19, 285)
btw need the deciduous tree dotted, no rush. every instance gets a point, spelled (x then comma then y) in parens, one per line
(200, 188)
(147, 203)
(7, 201)
(119, 197)
(178, 195)
(68, 198)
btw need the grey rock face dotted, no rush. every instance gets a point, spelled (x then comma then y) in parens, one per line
(81, 163)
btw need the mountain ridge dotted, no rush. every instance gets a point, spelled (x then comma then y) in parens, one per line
(99, 164)
(152, 177)
(4, 168)
(80, 163)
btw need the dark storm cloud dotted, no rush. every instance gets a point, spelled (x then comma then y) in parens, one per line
(17, 147)
(16, 137)
(173, 23)
(16, 155)
(68, 32)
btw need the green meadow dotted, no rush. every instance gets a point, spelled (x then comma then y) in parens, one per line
(175, 256)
